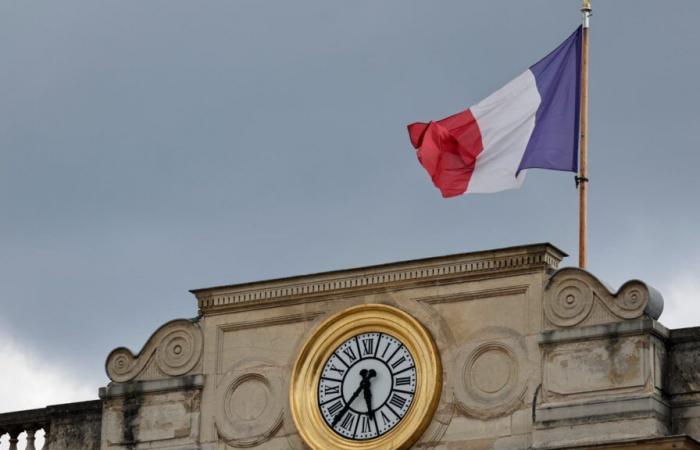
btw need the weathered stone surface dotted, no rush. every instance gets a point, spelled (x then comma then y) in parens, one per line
(600, 361)
(152, 414)
(683, 380)
(75, 426)
(69, 426)
(684, 362)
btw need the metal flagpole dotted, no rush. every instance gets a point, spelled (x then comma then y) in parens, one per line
(582, 179)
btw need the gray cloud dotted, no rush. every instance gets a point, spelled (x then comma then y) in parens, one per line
(147, 148)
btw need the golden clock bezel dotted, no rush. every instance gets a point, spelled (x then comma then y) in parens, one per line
(335, 330)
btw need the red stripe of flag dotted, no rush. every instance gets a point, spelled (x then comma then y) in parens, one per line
(447, 149)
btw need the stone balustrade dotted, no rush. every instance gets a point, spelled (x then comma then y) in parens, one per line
(66, 426)
(29, 421)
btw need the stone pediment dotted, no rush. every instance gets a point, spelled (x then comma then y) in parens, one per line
(384, 277)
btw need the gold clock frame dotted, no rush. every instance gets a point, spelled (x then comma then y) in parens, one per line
(303, 389)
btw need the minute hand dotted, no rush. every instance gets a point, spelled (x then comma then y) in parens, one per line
(368, 400)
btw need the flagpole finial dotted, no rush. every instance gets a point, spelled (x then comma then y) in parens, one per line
(587, 11)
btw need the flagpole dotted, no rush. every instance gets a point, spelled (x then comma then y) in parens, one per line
(582, 179)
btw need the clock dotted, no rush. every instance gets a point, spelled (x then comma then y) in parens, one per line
(367, 386)
(368, 377)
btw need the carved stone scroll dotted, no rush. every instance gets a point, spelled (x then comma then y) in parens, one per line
(573, 297)
(173, 350)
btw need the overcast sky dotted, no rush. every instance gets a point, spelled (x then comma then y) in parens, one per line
(149, 148)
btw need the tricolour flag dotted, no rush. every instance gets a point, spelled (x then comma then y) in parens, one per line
(531, 122)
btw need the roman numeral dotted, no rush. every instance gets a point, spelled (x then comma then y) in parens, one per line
(385, 349)
(364, 423)
(347, 422)
(401, 381)
(336, 369)
(328, 390)
(398, 401)
(406, 369)
(398, 347)
(398, 362)
(350, 354)
(379, 339)
(368, 346)
(335, 407)
(384, 417)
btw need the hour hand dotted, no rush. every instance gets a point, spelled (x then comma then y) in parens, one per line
(368, 400)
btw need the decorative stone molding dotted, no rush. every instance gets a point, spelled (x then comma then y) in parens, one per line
(474, 295)
(249, 403)
(173, 350)
(395, 276)
(575, 297)
(223, 329)
(491, 373)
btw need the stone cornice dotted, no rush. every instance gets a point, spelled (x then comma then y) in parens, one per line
(183, 383)
(681, 442)
(685, 335)
(400, 275)
(642, 325)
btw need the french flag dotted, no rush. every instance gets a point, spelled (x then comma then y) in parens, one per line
(531, 122)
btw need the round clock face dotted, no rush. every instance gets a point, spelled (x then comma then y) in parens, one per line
(367, 386)
(366, 378)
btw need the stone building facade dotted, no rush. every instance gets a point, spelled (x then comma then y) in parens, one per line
(532, 357)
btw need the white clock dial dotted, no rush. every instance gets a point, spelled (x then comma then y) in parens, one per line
(367, 386)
